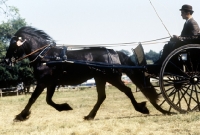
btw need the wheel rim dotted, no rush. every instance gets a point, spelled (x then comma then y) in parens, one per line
(180, 79)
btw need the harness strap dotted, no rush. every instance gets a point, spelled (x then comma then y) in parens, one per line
(30, 53)
(43, 52)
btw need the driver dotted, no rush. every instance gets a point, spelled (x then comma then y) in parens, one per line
(190, 29)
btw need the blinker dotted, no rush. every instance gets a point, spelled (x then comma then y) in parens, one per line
(20, 42)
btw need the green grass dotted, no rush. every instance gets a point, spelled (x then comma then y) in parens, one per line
(115, 117)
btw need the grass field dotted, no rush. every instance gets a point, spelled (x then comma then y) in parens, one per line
(115, 117)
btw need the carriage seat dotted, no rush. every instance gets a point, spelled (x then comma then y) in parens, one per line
(139, 55)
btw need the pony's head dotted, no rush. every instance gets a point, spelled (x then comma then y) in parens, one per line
(15, 49)
(26, 40)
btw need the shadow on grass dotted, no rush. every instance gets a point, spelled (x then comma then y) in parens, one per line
(140, 116)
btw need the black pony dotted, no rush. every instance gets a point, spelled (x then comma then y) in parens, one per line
(40, 48)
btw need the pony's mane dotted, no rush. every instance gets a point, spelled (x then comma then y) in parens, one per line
(33, 32)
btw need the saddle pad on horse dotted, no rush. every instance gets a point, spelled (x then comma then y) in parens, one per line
(95, 54)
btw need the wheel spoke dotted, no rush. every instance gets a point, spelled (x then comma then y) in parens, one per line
(173, 96)
(178, 68)
(162, 102)
(172, 93)
(171, 74)
(176, 82)
(187, 88)
(188, 70)
(196, 107)
(170, 107)
(169, 89)
(198, 91)
(183, 96)
(191, 97)
(178, 103)
(197, 96)
(191, 64)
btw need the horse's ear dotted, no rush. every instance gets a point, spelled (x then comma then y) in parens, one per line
(20, 41)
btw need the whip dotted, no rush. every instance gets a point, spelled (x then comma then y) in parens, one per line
(160, 19)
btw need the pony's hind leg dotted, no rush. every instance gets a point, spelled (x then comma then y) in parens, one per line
(100, 85)
(26, 111)
(140, 107)
(59, 107)
(152, 96)
(149, 92)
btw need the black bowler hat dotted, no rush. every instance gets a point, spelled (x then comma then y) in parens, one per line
(186, 7)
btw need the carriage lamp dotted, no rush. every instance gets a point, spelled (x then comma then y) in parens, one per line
(184, 57)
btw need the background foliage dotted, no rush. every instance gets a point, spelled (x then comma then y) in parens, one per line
(21, 72)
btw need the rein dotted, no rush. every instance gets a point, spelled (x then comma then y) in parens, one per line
(44, 47)
(114, 44)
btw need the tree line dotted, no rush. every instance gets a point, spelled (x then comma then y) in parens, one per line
(151, 56)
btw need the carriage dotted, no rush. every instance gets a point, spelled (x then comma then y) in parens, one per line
(178, 75)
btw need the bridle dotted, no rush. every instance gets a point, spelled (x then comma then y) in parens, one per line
(44, 49)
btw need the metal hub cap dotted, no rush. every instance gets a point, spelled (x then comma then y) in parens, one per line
(194, 80)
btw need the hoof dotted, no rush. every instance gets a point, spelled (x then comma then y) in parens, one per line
(64, 107)
(67, 107)
(88, 118)
(22, 117)
(142, 108)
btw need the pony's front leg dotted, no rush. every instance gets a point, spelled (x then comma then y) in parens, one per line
(100, 85)
(59, 107)
(25, 113)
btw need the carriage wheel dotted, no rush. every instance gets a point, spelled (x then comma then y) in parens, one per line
(180, 78)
